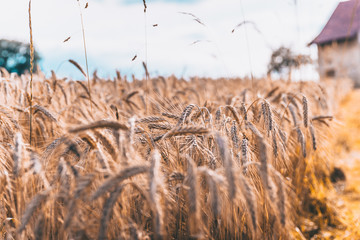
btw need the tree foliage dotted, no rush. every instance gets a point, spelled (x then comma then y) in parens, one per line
(284, 59)
(15, 56)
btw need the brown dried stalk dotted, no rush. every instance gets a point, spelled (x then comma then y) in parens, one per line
(31, 69)
(100, 124)
(73, 62)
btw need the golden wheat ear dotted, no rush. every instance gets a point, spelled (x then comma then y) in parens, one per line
(77, 65)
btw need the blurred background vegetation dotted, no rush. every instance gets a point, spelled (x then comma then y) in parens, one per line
(15, 56)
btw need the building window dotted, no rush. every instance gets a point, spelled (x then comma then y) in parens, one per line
(330, 73)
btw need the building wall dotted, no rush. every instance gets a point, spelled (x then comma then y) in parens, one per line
(340, 60)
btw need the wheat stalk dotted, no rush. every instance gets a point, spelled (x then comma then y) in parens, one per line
(86, 59)
(155, 181)
(41, 109)
(100, 124)
(250, 200)
(31, 71)
(31, 208)
(108, 209)
(17, 155)
(225, 156)
(118, 178)
(192, 183)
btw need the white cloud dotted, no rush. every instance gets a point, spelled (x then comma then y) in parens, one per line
(115, 32)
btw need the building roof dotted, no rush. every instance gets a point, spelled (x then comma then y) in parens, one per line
(344, 23)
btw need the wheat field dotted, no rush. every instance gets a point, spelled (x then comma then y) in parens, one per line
(163, 158)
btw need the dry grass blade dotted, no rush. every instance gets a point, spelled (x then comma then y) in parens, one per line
(283, 136)
(89, 140)
(319, 118)
(213, 180)
(254, 130)
(272, 91)
(64, 93)
(154, 174)
(17, 154)
(115, 109)
(107, 210)
(155, 181)
(85, 54)
(67, 39)
(31, 208)
(146, 69)
(41, 109)
(130, 95)
(81, 184)
(250, 200)
(198, 20)
(31, 69)
(263, 161)
(190, 14)
(192, 183)
(280, 198)
(84, 87)
(145, 7)
(293, 114)
(214, 195)
(118, 178)
(195, 18)
(234, 113)
(246, 22)
(100, 124)
(107, 143)
(39, 227)
(102, 160)
(77, 66)
(225, 156)
(52, 146)
(186, 130)
(35, 162)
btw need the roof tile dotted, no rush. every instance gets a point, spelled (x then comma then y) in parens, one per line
(343, 23)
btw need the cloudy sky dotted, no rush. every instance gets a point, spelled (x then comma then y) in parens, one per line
(117, 30)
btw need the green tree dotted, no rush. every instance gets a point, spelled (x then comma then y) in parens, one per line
(15, 56)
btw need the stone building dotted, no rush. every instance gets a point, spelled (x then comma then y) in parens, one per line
(339, 43)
